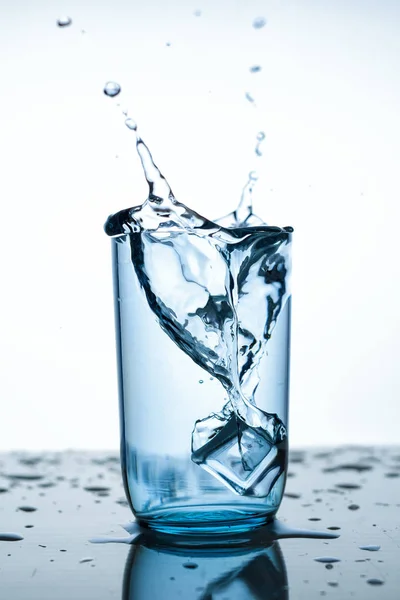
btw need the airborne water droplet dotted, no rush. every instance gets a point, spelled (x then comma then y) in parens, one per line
(249, 97)
(197, 13)
(112, 89)
(255, 69)
(260, 139)
(131, 124)
(64, 21)
(201, 381)
(259, 23)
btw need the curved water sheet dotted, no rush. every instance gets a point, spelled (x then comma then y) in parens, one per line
(217, 290)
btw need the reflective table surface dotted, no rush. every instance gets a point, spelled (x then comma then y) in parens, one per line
(66, 532)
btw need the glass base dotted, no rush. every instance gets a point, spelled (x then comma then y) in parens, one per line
(195, 520)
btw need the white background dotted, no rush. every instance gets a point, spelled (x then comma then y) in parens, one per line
(328, 99)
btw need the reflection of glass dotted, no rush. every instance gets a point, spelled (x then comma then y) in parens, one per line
(157, 571)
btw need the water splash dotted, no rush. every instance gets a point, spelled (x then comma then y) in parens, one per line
(223, 333)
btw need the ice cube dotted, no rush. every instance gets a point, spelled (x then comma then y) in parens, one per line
(243, 458)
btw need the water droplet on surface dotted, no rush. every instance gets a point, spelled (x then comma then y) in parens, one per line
(10, 537)
(329, 566)
(190, 565)
(86, 560)
(131, 124)
(327, 559)
(333, 583)
(62, 550)
(29, 526)
(255, 69)
(112, 89)
(27, 508)
(259, 22)
(290, 495)
(24, 476)
(370, 548)
(314, 519)
(96, 489)
(348, 486)
(375, 581)
(64, 21)
(353, 507)
(201, 381)
(333, 528)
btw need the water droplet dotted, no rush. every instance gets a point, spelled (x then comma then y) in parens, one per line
(24, 476)
(259, 23)
(29, 526)
(314, 519)
(197, 13)
(172, 578)
(10, 537)
(348, 486)
(294, 496)
(27, 508)
(122, 502)
(86, 560)
(374, 581)
(168, 44)
(327, 559)
(42, 546)
(333, 583)
(3, 490)
(255, 69)
(96, 489)
(201, 381)
(353, 507)
(370, 548)
(249, 97)
(131, 124)
(333, 528)
(329, 566)
(112, 89)
(62, 550)
(64, 21)
(392, 475)
(260, 138)
(190, 565)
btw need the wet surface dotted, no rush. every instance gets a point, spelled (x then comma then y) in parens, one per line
(52, 505)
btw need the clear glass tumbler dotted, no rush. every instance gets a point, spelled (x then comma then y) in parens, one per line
(195, 457)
